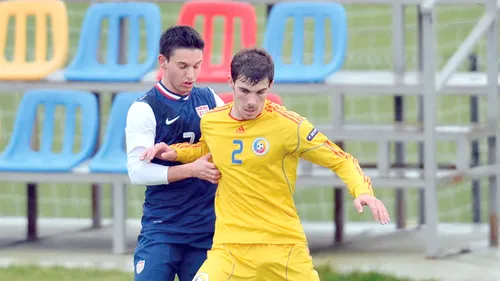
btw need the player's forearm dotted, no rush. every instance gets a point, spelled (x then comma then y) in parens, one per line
(145, 173)
(177, 173)
(187, 153)
(348, 169)
(356, 183)
(341, 163)
(153, 174)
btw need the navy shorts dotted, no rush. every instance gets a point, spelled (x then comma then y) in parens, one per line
(154, 261)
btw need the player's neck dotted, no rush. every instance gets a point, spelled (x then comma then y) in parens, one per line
(235, 114)
(169, 87)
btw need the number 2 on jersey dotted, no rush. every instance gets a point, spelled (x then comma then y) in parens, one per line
(237, 151)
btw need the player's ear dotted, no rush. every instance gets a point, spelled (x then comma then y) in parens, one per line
(271, 84)
(162, 60)
(230, 81)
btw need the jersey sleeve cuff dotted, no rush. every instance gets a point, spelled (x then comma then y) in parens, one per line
(361, 189)
(166, 175)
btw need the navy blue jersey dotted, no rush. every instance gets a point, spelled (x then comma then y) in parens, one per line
(183, 211)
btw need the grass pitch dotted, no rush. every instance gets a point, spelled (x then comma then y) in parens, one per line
(33, 273)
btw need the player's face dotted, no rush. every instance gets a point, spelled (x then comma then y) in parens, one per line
(181, 71)
(249, 99)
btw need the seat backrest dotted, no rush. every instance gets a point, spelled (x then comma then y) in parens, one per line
(275, 98)
(228, 97)
(71, 101)
(230, 11)
(274, 38)
(114, 13)
(52, 13)
(114, 139)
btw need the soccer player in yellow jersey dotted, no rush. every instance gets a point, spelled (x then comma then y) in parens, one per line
(256, 145)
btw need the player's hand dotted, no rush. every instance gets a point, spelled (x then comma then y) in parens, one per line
(205, 170)
(378, 209)
(161, 151)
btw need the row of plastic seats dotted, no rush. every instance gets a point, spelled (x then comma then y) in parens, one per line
(19, 156)
(86, 66)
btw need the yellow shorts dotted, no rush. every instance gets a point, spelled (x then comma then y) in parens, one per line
(259, 262)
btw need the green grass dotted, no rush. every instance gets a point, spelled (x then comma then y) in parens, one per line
(32, 273)
(369, 49)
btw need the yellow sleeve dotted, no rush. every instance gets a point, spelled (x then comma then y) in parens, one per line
(315, 147)
(187, 153)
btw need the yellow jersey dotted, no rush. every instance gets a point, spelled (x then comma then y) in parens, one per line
(258, 163)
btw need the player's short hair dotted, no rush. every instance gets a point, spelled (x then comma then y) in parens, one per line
(252, 65)
(180, 37)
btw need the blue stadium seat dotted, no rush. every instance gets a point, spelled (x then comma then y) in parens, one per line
(112, 156)
(18, 156)
(86, 65)
(274, 40)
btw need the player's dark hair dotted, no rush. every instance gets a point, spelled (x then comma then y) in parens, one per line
(252, 65)
(180, 37)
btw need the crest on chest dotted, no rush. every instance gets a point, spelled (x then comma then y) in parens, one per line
(260, 146)
(202, 109)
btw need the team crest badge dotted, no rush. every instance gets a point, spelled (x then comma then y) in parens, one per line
(139, 267)
(202, 110)
(260, 146)
(201, 277)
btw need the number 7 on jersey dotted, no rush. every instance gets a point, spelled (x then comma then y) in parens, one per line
(237, 151)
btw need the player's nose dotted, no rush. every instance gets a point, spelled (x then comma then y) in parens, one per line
(190, 73)
(252, 100)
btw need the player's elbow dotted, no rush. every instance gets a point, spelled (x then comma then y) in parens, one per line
(135, 167)
(134, 174)
(134, 181)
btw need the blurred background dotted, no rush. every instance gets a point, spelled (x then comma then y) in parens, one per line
(69, 70)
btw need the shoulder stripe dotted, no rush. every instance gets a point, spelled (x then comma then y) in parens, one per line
(292, 113)
(289, 116)
(218, 109)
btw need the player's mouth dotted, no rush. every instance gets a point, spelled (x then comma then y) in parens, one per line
(188, 84)
(250, 111)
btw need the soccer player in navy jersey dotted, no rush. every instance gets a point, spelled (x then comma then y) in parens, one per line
(178, 220)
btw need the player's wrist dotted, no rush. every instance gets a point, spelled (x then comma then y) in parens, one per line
(363, 193)
(189, 170)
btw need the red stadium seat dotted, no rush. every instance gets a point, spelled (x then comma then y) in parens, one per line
(228, 97)
(230, 11)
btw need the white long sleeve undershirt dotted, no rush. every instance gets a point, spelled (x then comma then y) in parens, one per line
(143, 172)
(140, 134)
